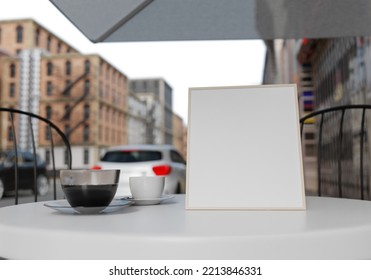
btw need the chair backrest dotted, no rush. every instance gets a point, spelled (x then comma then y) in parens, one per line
(339, 140)
(23, 136)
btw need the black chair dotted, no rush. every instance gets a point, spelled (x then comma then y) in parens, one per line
(338, 137)
(23, 162)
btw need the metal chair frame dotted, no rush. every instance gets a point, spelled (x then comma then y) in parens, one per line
(322, 114)
(50, 126)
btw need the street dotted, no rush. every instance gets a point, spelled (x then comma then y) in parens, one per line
(27, 196)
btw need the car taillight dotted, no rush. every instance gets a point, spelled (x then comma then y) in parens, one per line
(96, 167)
(161, 170)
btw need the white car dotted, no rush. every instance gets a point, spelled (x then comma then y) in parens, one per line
(146, 160)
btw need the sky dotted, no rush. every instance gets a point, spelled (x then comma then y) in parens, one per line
(182, 64)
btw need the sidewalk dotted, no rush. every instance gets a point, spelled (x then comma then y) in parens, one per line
(28, 196)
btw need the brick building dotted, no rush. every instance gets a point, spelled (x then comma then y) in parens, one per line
(82, 94)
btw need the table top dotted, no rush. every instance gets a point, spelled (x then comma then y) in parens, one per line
(330, 228)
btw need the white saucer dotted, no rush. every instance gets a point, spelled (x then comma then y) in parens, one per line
(64, 207)
(150, 201)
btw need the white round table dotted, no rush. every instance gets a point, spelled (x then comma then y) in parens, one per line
(330, 228)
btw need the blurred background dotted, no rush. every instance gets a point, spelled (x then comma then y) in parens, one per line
(108, 94)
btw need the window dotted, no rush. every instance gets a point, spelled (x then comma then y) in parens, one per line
(47, 134)
(86, 87)
(67, 90)
(132, 156)
(176, 157)
(10, 134)
(12, 70)
(48, 112)
(114, 100)
(47, 157)
(11, 90)
(86, 111)
(49, 43)
(106, 93)
(66, 156)
(19, 31)
(87, 66)
(49, 69)
(113, 117)
(310, 150)
(86, 156)
(68, 68)
(309, 136)
(86, 133)
(113, 76)
(67, 112)
(37, 37)
(59, 47)
(67, 130)
(101, 92)
(49, 88)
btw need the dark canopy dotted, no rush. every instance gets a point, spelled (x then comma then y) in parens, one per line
(172, 20)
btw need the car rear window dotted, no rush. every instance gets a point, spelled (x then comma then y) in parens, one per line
(132, 156)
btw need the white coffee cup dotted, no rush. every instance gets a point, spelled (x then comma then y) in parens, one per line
(147, 187)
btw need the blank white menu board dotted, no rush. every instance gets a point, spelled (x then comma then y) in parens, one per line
(244, 149)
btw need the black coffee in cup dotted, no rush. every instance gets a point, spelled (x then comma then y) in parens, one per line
(89, 195)
(89, 188)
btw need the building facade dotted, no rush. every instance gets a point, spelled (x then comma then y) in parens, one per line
(158, 96)
(330, 72)
(84, 95)
(283, 67)
(137, 120)
(179, 135)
